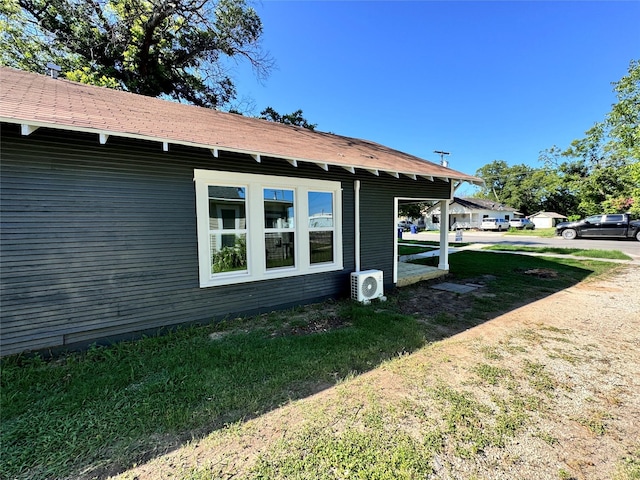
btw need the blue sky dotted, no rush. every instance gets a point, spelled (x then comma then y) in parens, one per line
(483, 80)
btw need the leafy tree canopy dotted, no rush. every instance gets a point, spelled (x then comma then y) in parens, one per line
(174, 48)
(524, 188)
(294, 118)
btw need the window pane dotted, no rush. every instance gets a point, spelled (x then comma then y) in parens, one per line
(228, 252)
(320, 209)
(321, 246)
(227, 208)
(278, 208)
(280, 249)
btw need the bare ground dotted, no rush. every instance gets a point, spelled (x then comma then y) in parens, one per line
(572, 359)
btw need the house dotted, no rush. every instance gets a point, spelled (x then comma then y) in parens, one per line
(547, 219)
(468, 212)
(123, 214)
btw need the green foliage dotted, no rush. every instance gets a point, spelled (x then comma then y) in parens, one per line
(524, 188)
(177, 49)
(294, 118)
(231, 258)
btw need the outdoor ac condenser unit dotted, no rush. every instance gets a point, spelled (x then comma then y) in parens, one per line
(367, 285)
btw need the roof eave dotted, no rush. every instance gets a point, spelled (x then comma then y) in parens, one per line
(28, 126)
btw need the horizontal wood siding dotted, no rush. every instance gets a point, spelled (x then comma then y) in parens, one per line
(99, 241)
(378, 224)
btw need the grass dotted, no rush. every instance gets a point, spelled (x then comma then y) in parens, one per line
(109, 407)
(578, 252)
(538, 232)
(509, 283)
(412, 250)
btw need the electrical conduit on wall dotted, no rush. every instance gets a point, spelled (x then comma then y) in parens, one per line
(356, 187)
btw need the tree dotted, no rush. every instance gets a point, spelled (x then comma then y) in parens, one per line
(294, 118)
(524, 188)
(174, 48)
(602, 168)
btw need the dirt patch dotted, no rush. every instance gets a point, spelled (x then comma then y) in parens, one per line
(568, 364)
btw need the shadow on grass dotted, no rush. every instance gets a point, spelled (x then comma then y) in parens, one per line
(94, 414)
(507, 281)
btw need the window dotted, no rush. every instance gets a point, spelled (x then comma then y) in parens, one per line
(321, 227)
(257, 227)
(227, 229)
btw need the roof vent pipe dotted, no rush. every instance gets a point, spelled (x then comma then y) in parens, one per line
(53, 70)
(443, 162)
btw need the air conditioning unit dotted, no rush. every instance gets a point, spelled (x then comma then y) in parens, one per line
(367, 285)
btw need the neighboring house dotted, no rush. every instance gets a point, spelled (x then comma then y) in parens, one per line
(547, 219)
(124, 214)
(465, 212)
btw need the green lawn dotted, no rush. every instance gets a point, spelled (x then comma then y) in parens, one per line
(578, 252)
(538, 232)
(110, 407)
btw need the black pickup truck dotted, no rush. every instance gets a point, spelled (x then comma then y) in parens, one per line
(617, 225)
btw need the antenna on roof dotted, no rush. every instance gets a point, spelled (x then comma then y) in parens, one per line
(53, 70)
(443, 162)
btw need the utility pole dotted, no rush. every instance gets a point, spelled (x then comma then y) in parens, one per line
(443, 162)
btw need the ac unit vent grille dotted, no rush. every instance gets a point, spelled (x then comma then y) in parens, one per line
(367, 285)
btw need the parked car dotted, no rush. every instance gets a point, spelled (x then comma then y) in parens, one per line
(404, 224)
(522, 224)
(618, 225)
(498, 224)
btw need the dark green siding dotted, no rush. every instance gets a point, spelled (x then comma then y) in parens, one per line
(99, 241)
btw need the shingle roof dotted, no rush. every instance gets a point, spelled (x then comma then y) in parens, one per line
(547, 215)
(481, 204)
(36, 100)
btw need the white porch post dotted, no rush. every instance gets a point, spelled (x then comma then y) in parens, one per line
(444, 235)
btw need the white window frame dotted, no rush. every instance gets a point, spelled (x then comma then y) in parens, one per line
(254, 206)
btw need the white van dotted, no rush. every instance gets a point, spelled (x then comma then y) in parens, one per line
(498, 224)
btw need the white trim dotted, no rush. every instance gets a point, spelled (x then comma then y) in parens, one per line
(103, 137)
(254, 198)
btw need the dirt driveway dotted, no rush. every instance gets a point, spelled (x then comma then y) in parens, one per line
(565, 370)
